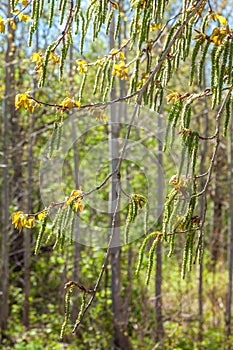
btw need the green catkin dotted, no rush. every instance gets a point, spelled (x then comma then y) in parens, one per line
(45, 64)
(185, 257)
(188, 40)
(183, 44)
(37, 15)
(187, 117)
(82, 307)
(160, 100)
(60, 5)
(151, 93)
(168, 207)
(53, 139)
(190, 255)
(97, 79)
(146, 216)
(109, 20)
(148, 20)
(172, 121)
(12, 5)
(94, 31)
(82, 32)
(194, 153)
(217, 75)
(41, 234)
(204, 23)
(178, 55)
(135, 24)
(195, 52)
(33, 12)
(103, 76)
(168, 69)
(82, 87)
(58, 228)
(108, 80)
(181, 165)
(99, 15)
(158, 10)
(162, 8)
(171, 245)
(151, 258)
(223, 69)
(128, 221)
(59, 135)
(54, 225)
(230, 62)
(63, 10)
(134, 79)
(142, 250)
(202, 62)
(117, 25)
(169, 38)
(41, 7)
(145, 97)
(51, 14)
(64, 225)
(214, 97)
(111, 82)
(135, 208)
(67, 311)
(76, 20)
(214, 67)
(71, 226)
(228, 115)
(64, 52)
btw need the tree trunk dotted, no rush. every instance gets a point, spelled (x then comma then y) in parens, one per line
(120, 339)
(230, 236)
(8, 113)
(158, 276)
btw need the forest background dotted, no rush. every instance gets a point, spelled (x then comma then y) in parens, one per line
(116, 173)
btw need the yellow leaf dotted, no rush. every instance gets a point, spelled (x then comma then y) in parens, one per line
(42, 215)
(218, 35)
(37, 57)
(20, 220)
(24, 18)
(24, 2)
(155, 26)
(121, 70)
(82, 66)
(222, 20)
(173, 97)
(77, 206)
(75, 198)
(22, 100)
(2, 25)
(30, 223)
(54, 58)
(12, 24)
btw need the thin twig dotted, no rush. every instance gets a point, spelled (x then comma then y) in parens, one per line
(217, 140)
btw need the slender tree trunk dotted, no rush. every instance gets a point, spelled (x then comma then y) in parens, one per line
(158, 276)
(27, 236)
(8, 113)
(76, 244)
(120, 340)
(230, 236)
(203, 208)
